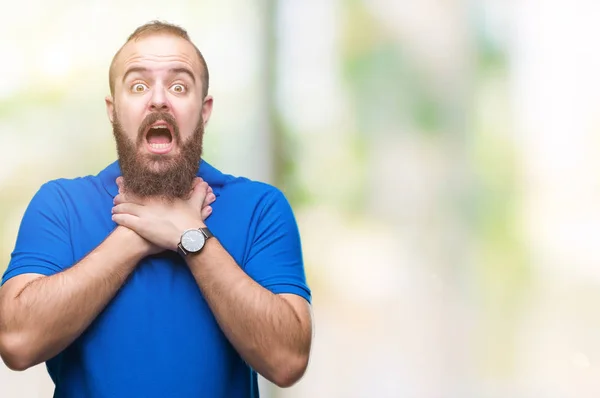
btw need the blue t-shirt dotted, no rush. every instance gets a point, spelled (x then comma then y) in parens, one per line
(158, 337)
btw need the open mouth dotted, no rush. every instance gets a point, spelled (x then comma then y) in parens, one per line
(159, 137)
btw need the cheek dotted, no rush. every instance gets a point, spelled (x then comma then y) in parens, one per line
(129, 120)
(187, 120)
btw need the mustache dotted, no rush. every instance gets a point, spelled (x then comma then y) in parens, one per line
(155, 117)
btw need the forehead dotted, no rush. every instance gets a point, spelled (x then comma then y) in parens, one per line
(158, 52)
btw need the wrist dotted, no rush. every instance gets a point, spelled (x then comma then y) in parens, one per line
(193, 241)
(195, 224)
(192, 225)
(196, 259)
(132, 243)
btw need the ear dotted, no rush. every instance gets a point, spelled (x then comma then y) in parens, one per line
(207, 108)
(110, 107)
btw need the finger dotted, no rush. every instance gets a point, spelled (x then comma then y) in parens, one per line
(206, 211)
(208, 199)
(199, 193)
(122, 198)
(197, 180)
(127, 220)
(128, 208)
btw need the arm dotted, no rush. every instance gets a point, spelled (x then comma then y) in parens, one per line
(45, 304)
(262, 306)
(272, 332)
(41, 315)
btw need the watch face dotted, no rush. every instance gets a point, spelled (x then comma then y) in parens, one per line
(192, 240)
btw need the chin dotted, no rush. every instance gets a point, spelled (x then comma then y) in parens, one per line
(158, 163)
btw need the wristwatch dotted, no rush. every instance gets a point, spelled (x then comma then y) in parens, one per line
(193, 240)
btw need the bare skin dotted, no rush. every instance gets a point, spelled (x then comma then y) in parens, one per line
(271, 332)
(41, 315)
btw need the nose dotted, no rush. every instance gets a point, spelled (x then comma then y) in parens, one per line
(159, 102)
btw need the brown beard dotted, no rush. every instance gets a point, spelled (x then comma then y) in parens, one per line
(152, 175)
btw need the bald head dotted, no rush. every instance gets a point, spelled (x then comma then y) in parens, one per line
(157, 28)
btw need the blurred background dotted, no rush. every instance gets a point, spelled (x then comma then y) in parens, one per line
(441, 157)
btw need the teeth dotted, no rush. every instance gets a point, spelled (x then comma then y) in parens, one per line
(159, 127)
(160, 146)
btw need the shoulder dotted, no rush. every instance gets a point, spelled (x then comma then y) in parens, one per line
(272, 213)
(246, 185)
(260, 193)
(63, 192)
(71, 186)
(242, 194)
(65, 184)
(234, 186)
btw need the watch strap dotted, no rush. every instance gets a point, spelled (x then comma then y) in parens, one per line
(206, 232)
(181, 250)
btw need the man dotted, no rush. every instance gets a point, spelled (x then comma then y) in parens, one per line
(160, 276)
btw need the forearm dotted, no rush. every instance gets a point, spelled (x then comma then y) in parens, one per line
(263, 327)
(50, 312)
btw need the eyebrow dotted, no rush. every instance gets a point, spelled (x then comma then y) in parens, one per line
(174, 71)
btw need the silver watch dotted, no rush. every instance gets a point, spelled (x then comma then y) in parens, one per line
(193, 240)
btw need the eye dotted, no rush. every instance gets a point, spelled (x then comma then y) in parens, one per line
(178, 88)
(139, 88)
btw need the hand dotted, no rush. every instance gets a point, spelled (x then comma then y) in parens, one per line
(162, 222)
(135, 242)
(148, 248)
(206, 210)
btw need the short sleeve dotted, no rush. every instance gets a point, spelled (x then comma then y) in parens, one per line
(43, 243)
(275, 257)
